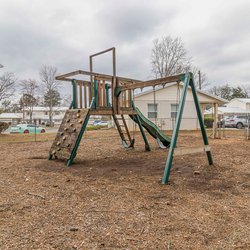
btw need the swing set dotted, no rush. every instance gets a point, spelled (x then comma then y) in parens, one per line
(113, 95)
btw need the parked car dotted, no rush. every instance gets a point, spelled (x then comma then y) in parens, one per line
(236, 121)
(100, 123)
(48, 124)
(26, 129)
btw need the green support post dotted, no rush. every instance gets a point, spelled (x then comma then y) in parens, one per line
(74, 94)
(131, 100)
(147, 145)
(176, 130)
(188, 81)
(107, 94)
(73, 154)
(202, 126)
(96, 93)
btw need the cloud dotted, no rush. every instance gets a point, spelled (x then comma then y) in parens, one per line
(64, 33)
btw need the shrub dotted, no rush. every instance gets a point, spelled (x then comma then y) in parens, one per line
(3, 126)
(208, 121)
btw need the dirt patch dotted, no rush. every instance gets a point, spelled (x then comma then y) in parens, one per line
(111, 198)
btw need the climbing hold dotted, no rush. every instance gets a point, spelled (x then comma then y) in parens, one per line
(71, 124)
(61, 134)
(80, 121)
(78, 111)
(68, 145)
(58, 149)
(53, 152)
(68, 120)
(64, 138)
(65, 129)
(58, 143)
(78, 115)
(74, 129)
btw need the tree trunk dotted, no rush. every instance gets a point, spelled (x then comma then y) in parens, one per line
(50, 109)
(50, 116)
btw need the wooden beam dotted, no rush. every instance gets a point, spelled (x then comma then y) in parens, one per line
(160, 81)
(101, 111)
(102, 52)
(214, 135)
(191, 150)
(64, 77)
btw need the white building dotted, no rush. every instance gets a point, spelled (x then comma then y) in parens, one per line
(11, 118)
(236, 106)
(164, 111)
(40, 115)
(242, 103)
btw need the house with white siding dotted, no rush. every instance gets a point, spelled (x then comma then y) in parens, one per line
(40, 115)
(242, 103)
(161, 105)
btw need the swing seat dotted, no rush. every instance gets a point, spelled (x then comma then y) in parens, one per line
(191, 150)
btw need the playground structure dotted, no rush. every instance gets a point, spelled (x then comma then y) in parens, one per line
(113, 95)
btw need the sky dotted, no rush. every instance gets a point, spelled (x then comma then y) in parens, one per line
(64, 33)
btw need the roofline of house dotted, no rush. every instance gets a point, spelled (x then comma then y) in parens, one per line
(240, 99)
(222, 100)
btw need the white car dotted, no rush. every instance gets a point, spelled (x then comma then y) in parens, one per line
(236, 121)
(100, 123)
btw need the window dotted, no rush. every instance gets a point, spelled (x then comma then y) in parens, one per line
(174, 109)
(152, 110)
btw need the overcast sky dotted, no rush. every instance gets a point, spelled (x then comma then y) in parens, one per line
(63, 33)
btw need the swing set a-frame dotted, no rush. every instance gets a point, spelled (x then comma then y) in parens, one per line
(112, 95)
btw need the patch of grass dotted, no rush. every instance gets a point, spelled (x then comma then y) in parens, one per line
(89, 128)
(6, 138)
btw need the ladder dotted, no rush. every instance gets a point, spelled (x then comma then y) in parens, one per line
(123, 130)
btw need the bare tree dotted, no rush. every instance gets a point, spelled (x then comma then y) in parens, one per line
(66, 100)
(7, 85)
(29, 88)
(50, 85)
(169, 57)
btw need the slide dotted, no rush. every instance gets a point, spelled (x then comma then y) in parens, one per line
(152, 129)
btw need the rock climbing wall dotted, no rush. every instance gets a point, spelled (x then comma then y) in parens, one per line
(68, 133)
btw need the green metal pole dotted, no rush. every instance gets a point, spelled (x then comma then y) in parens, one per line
(74, 94)
(107, 94)
(96, 93)
(147, 145)
(131, 99)
(73, 154)
(202, 126)
(176, 130)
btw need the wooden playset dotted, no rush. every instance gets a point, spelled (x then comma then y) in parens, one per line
(113, 95)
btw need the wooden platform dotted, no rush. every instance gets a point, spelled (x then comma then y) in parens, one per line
(68, 133)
